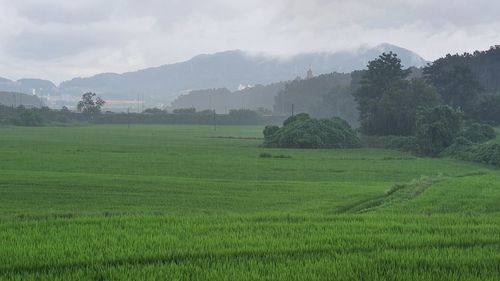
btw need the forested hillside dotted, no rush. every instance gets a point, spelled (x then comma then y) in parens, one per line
(17, 99)
(222, 100)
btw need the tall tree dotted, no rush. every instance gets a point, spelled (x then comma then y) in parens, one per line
(387, 101)
(457, 85)
(90, 105)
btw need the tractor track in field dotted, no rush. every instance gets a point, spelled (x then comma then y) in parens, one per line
(396, 194)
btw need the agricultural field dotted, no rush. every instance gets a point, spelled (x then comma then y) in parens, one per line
(194, 203)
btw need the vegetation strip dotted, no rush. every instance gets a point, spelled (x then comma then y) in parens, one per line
(396, 194)
(228, 256)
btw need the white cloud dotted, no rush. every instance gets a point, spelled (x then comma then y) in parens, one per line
(58, 39)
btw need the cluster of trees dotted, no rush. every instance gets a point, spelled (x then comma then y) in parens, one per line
(88, 109)
(388, 101)
(302, 131)
(432, 111)
(323, 96)
(37, 116)
(222, 100)
(470, 82)
(189, 116)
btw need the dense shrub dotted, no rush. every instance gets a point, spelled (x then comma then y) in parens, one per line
(270, 130)
(460, 149)
(298, 117)
(437, 128)
(190, 110)
(390, 142)
(478, 133)
(30, 118)
(487, 109)
(486, 153)
(301, 131)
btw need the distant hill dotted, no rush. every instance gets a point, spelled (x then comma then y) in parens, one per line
(228, 69)
(222, 100)
(17, 99)
(29, 86)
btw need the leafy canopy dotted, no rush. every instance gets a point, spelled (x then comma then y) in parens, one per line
(387, 101)
(90, 104)
(301, 131)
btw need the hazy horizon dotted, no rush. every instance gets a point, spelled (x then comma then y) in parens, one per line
(58, 40)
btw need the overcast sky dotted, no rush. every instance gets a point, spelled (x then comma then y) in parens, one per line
(61, 39)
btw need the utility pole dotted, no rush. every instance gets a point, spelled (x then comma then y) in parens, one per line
(128, 117)
(215, 121)
(292, 109)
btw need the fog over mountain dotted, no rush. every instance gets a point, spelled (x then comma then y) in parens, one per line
(29, 86)
(229, 69)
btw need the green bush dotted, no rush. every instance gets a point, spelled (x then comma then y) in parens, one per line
(265, 155)
(478, 133)
(270, 130)
(282, 156)
(402, 143)
(460, 149)
(437, 128)
(464, 149)
(301, 131)
(298, 117)
(29, 118)
(487, 154)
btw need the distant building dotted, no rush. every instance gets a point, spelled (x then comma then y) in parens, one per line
(309, 74)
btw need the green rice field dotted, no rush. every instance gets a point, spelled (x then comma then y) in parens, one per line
(194, 203)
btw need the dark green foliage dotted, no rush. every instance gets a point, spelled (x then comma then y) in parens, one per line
(22, 116)
(457, 86)
(265, 155)
(270, 130)
(190, 110)
(388, 102)
(486, 153)
(30, 118)
(437, 128)
(154, 110)
(471, 146)
(269, 155)
(404, 143)
(298, 117)
(478, 133)
(488, 109)
(383, 72)
(301, 131)
(483, 65)
(282, 156)
(459, 149)
(471, 81)
(90, 105)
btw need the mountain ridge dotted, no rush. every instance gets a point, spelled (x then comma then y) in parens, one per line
(228, 69)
